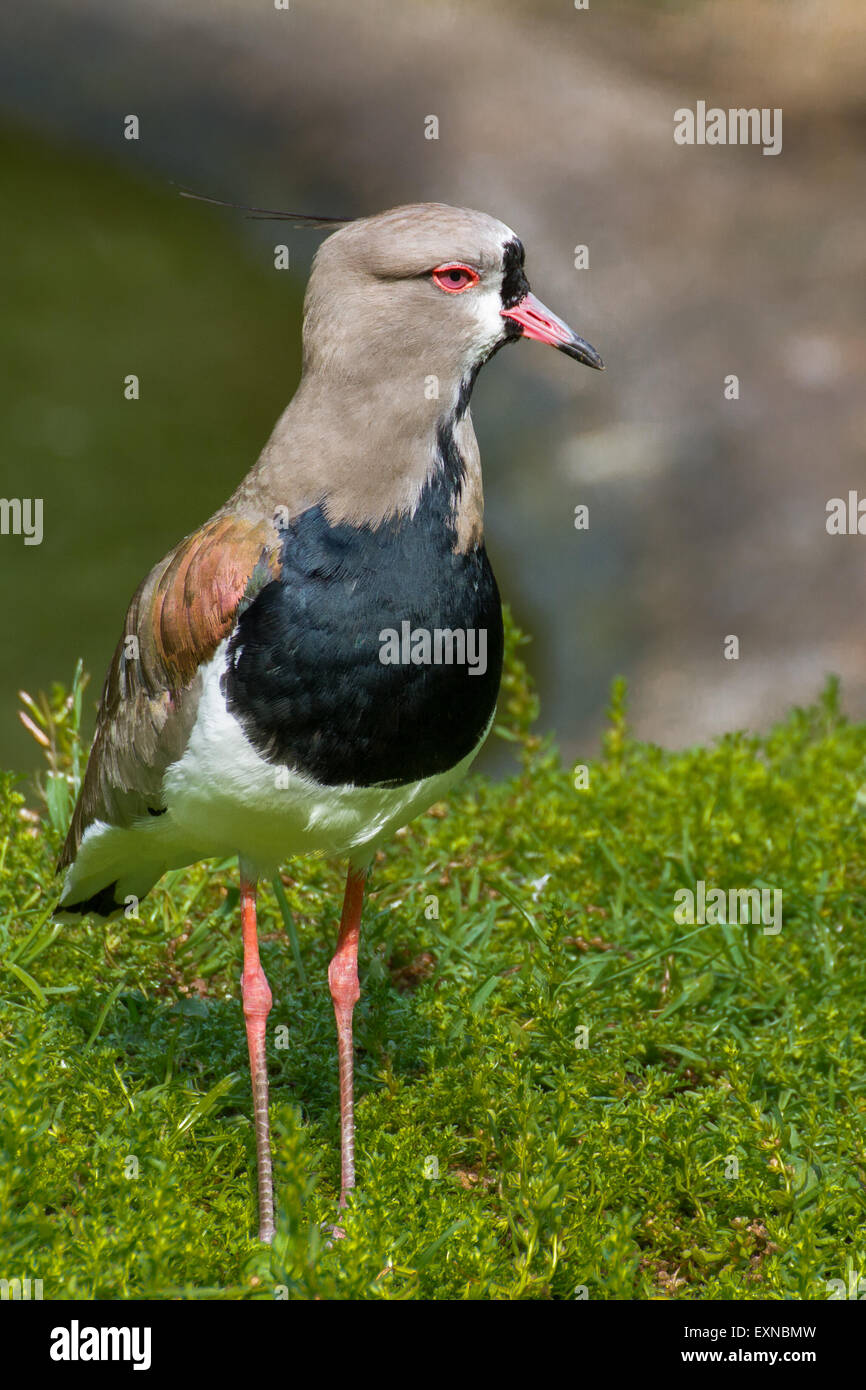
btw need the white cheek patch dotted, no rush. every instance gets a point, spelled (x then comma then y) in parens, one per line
(486, 328)
(487, 304)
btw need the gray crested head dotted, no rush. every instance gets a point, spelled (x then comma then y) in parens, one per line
(375, 303)
(426, 288)
(401, 311)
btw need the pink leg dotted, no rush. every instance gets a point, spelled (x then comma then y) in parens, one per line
(257, 1006)
(345, 992)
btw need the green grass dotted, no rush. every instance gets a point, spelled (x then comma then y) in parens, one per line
(560, 1167)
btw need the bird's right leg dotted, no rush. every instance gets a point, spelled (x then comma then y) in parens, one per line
(257, 1005)
(345, 992)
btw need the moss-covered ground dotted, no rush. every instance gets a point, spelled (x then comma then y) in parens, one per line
(561, 1090)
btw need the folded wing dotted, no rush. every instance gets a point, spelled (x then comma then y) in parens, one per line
(177, 619)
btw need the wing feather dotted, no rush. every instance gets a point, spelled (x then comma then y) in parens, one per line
(175, 622)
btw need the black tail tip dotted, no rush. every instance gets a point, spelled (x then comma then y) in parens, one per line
(103, 904)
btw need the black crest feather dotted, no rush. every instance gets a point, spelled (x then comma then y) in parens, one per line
(299, 219)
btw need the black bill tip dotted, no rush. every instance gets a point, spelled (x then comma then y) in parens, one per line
(582, 351)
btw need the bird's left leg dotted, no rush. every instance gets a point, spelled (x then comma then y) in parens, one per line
(257, 1005)
(345, 992)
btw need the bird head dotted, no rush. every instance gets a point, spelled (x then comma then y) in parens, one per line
(427, 290)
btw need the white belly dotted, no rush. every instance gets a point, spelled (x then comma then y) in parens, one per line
(223, 798)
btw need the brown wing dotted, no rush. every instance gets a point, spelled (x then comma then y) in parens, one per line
(176, 621)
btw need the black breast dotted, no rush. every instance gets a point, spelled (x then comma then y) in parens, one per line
(305, 675)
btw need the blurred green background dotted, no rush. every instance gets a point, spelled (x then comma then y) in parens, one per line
(111, 277)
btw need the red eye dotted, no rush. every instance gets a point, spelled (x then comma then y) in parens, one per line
(455, 277)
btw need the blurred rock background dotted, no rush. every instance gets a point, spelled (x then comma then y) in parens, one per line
(707, 516)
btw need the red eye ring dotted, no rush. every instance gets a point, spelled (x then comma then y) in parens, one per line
(455, 277)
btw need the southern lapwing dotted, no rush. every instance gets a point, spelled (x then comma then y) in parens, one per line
(320, 661)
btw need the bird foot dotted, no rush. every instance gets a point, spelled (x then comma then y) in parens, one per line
(334, 1231)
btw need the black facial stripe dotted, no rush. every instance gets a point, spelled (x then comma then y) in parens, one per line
(514, 283)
